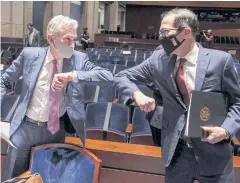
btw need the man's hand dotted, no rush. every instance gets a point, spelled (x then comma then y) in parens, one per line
(216, 134)
(145, 103)
(59, 80)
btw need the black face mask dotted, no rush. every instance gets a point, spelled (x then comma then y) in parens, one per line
(170, 43)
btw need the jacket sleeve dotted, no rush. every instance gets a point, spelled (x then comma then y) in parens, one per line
(91, 72)
(125, 81)
(230, 86)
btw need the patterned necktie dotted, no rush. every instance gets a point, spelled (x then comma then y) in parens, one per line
(53, 115)
(182, 88)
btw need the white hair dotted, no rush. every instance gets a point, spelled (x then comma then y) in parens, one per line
(59, 22)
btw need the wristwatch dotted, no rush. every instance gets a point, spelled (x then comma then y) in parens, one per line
(227, 135)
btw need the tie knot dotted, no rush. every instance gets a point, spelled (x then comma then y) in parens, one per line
(182, 61)
(54, 62)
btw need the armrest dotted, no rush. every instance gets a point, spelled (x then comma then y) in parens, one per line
(129, 129)
(235, 140)
(115, 100)
(25, 174)
(236, 146)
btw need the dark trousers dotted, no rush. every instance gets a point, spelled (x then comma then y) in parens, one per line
(26, 136)
(183, 169)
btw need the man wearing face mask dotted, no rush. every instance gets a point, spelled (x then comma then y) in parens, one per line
(52, 78)
(180, 67)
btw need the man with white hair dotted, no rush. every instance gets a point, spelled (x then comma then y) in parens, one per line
(52, 79)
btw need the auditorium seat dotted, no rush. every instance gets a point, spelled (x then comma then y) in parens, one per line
(4, 146)
(237, 40)
(232, 40)
(227, 40)
(99, 93)
(130, 64)
(109, 66)
(236, 144)
(223, 41)
(103, 60)
(64, 163)
(217, 39)
(119, 68)
(118, 60)
(103, 56)
(107, 121)
(94, 58)
(141, 132)
(8, 106)
(6, 54)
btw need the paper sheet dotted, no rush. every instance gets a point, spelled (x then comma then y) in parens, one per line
(5, 129)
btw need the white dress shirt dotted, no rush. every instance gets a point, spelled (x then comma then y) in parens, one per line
(38, 107)
(189, 68)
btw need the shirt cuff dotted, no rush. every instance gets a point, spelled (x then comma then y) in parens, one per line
(74, 76)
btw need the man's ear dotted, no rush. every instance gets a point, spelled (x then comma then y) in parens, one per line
(50, 38)
(187, 31)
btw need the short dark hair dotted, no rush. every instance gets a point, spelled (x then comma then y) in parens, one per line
(183, 18)
(30, 24)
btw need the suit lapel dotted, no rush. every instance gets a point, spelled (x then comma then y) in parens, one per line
(202, 65)
(169, 75)
(36, 67)
(67, 67)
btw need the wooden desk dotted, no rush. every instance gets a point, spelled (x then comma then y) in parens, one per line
(123, 162)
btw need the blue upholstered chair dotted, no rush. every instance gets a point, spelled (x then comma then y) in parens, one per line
(105, 93)
(64, 163)
(236, 144)
(141, 132)
(8, 107)
(4, 146)
(117, 123)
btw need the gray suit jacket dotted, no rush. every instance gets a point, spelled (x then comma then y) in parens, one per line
(29, 64)
(36, 39)
(215, 73)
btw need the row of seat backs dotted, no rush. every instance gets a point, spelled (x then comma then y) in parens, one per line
(107, 93)
(110, 123)
(222, 39)
(125, 53)
(119, 118)
(95, 115)
(11, 53)
(123, 60)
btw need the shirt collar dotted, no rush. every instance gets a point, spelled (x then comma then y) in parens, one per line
(191, 56)
(49, 56)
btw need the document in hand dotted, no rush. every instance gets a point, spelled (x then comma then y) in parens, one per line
(205, 109)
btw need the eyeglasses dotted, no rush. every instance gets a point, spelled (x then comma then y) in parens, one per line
(164, 32)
